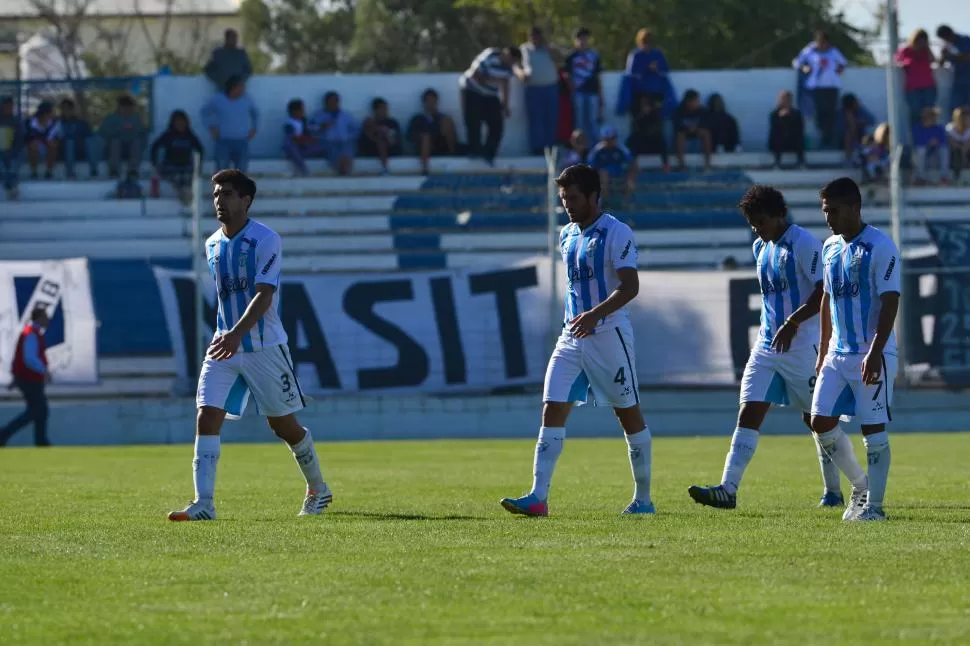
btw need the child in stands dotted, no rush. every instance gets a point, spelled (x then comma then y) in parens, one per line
(929, 142)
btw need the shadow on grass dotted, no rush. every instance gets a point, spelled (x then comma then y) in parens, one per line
(378, 515)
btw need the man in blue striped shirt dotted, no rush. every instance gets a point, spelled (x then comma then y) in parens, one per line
(248, 354)
(595, 351)
(857, 346)
(485, 98)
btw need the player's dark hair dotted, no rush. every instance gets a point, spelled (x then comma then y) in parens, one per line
(584, 177)
(240, 182)
(843, 189)
(763, 199)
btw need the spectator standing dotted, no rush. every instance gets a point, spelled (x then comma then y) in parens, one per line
(338, 132)
(124, 137)
(485, 98)
(43, 137)
(647, 67)
(11, 145)
(725, 135)
(691, 124)
(76, 136)
(647, 136)
(232, 119)
(540, 74)
(298, 143)
(432, 132)
(380, 135)
(172, 154)
(228, 61)
(823, 64)
(30, 374)
(930, 141)
(916, 60)
(958, 134)
(852, 123)
(614, 162)
(957, 54)
(786, 132)
(583, 69)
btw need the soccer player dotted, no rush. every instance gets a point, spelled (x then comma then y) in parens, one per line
(781, 368)
(595, 350)
(857, 347)
(248, 353)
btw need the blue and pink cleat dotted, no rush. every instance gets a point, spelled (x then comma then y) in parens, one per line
(528, 505)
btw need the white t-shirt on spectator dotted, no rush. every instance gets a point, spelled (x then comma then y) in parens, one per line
(952, 133)
(824, 66)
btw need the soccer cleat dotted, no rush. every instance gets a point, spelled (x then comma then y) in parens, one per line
(315, 503)
(195, 511)
(831, 499)
(858, 500)
(525, 506)
(870, 512)
(713, 496)
(639, 507)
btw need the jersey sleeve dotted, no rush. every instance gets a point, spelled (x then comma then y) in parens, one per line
(756, 248)
(623, 248)
(269, 259)
(885, 268)
(808, 255)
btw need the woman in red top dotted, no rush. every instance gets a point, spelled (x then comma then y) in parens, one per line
(916, 59)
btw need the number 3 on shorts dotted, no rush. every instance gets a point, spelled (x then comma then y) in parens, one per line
(285, 379)
(620, 377)
(811, 384)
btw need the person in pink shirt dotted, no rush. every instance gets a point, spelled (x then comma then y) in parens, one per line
(916, 60)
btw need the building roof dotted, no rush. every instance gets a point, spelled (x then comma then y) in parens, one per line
(29, 8)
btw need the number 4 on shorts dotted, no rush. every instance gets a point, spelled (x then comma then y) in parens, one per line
(620, 377)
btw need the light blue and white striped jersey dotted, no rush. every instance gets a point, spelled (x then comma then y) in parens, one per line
(857, 273)
(488, 65)
(251, 257)
(592, 256)
(788, 271)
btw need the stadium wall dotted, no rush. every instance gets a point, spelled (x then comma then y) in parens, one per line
(669, 413)
(750, 96)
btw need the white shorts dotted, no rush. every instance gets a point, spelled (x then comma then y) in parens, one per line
(603, 362)
(267, 374)
(780, 378)
(840, 391)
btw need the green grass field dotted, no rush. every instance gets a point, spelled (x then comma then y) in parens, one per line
(416, 549)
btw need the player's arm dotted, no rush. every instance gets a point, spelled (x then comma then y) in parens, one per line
(825, 331)
(625, 292)
(885, 275)
(783, 337)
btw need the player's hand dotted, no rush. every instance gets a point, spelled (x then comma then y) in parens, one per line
(583, 325)
(225, 346)
(783, 337)
(818, 364)
(871, 369)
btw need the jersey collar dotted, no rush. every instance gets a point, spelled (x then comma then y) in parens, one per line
(244, 227)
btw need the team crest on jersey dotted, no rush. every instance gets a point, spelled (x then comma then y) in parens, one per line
(243, 259)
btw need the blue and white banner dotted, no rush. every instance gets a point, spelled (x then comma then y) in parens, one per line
(63, 288)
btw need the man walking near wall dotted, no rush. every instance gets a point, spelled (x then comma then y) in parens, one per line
(30, 373)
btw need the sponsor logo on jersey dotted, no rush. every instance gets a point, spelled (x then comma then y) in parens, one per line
(814, 263)
(889, 270)
(269, 263)
(626, 249)
(232, 285)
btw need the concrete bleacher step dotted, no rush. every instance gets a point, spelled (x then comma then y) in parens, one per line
(98, 249)
(121, 376)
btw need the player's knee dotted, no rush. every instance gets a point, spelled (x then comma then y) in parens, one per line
(554, 414)
(807, 418)
(821, 424)
(285, 427)
(208, 420)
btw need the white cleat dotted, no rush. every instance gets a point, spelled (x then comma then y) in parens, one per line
(315, 502)
(195, 511)
(870, 512)
(858, 501)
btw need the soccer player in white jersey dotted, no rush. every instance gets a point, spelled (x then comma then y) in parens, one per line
(781, 368)
(248, 354)
(857, 358)
(595, 351)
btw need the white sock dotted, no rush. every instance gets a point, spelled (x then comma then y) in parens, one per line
(640, 448)
(839, 447)
(548, 450)
(877, 452)
(306, 457)
(831, 476)
(207, 450)
(743, 445)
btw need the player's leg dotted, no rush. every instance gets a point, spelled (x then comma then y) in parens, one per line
(831, 477)
(833, 398)
(278, 396)
(640, 449)
(875, 401)
(565, 383)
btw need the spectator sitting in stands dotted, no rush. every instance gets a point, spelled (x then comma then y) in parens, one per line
(432, 132)
(228, 61)
(11, 143)
(129, 188)
(852, 123)
(958, 133)
(338, 132)
(690, 122)
(614, 163)
(298, 143)
(578, 149)
(930, 140)
(723, 127)
(232, 119)
(177, 144)
(647, 136)
(786, 133)
(75, 134)
(124, 135)
(874, 154)
(42, 139)
(916, 59)
(380, 135)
